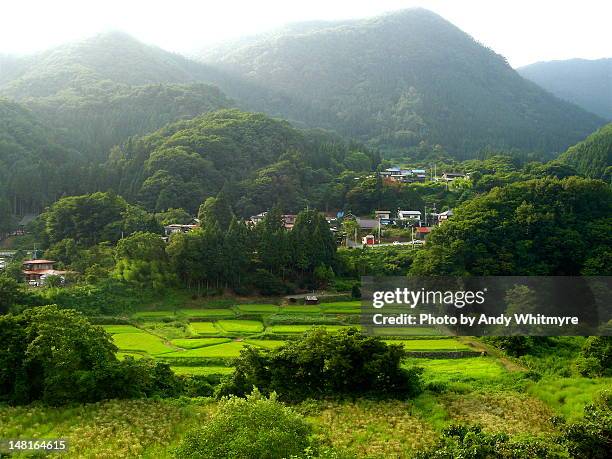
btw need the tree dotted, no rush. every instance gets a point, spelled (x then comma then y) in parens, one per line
(255, 427)
(216, 210)
(10, 293)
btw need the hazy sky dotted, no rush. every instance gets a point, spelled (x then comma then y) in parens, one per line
(523, 31)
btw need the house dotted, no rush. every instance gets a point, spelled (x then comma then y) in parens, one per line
(368, 240)
(443, 216)
(255, 219)
(289, 220)
(450, 176)
(422, 232)
(35, 271)
(382, 214)
(414, 215)
(178, 228)
(367, 223)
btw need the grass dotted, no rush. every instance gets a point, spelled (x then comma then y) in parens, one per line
(111, 429)
(406, 331)
(195, 343)
(207, 313)
(258, 308)
(431, 345)
(225, 350)
(468, 371)
(142, 342)
(204, 328)
(290, 329)
(241, 326)
(116, 329)
(203, 371)
(342, 307)
(265, 343)
(567, 396)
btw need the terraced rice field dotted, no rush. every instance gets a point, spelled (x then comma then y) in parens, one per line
(291, 329)
(207, 313)
(195, 343)
(225, 350)
(241, 326)
(431, 344)
(114, 329)
(258, 308)
(204, 328)
(141, 342)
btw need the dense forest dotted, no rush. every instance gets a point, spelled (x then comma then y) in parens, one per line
(405, 77)
(593, 156)
(586, 83)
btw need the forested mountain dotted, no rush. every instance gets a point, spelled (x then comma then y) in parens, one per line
(401, 78)
(35, 169)
(105, 89)
(255, 160)
(587, 83)
(593, 156)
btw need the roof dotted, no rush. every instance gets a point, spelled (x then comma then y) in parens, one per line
(27, 219)
(39, 262)
(45, 272)
(423, 229)
(410, 212)
(367, 222)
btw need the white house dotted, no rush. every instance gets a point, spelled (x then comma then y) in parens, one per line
(409, 215)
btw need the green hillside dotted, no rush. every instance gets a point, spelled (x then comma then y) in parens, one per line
(587, 83)
(401, 78)
(593, 156)
(35, 169)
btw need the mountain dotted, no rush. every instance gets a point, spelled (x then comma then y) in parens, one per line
(593, 156)
(587, 83)
(399, 79)
(35, 166)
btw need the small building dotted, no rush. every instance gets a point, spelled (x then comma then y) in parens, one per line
(422, 232)
(367, 223)
(178, 228)
(409, 215)
(368, 240)
(255, 219)
(289, 220)
(382, 214)
(443, 216)
(35, 271)
(311, 299)
(450, 176)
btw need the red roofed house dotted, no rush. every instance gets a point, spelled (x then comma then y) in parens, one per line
(35, 271)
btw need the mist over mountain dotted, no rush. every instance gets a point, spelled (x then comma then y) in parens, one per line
(587, 83)
(402, 78)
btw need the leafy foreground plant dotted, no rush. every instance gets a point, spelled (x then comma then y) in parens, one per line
(255, 427)
(470, 442)
(591, 437)
(323, 364)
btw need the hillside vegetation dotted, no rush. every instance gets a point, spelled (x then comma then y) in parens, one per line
(405, 77)
(593, 156)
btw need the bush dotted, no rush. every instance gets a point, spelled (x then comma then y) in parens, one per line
(324, 364)
(253, 427)
(511, 345)
(597, 352)
(471, 442)
(591, 437)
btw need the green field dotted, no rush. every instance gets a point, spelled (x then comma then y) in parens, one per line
(195, 343)
(241, 326)
(143, 342)
(154, 315)
(265, 343)
(225, 350)
(431, 345)
(459, 370)
(258, 308)
(202, 371)
(114, 329)
(204, 328)
(211, 313)
(290, 329)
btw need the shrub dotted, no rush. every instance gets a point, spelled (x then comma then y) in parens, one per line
(253, 427)
(597, 351)
(512, 345)
(325, 364)
(591, 437)
(471, 442)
